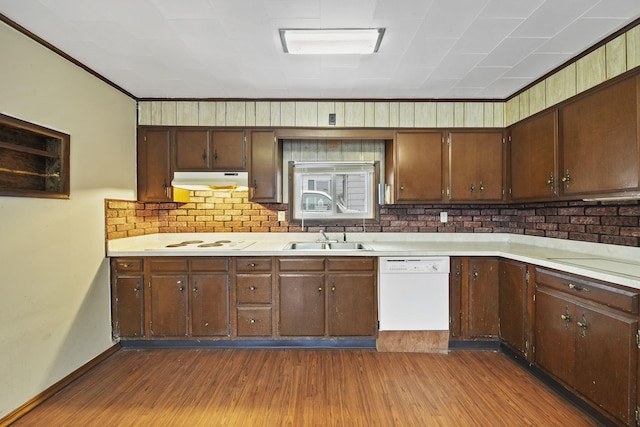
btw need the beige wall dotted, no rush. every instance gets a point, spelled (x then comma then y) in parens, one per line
(54, 284)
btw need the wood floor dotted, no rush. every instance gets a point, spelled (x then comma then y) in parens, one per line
(215, 387)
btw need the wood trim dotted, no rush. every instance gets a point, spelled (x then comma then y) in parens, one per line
(55, 388)
(19, 28)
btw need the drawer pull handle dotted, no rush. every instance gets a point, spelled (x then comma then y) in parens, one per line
(576, 287)
(253, 321)
(252, 288)
(583, 325)
(253, 264)
(126, 265)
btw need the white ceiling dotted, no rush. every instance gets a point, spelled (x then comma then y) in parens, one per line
(471, 49)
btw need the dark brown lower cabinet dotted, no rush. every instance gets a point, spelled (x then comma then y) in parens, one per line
(513, 298)
(332, 297)
(302, 304)
(352, 304)
(474, 297)
(254, 297)
(168, 303)
(586, 338)
(127, 298)
(209, 305)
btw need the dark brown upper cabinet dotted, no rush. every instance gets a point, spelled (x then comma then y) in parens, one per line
(599, 142)
(154, 165)
(476, 171)
(418, 163)
(207, 150)
(265, 172)
(34, 160)
(534, 158)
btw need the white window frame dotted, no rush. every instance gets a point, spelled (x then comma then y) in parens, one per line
(315, 196)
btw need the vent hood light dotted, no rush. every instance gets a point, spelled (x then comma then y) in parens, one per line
(355, 41)
(613, 198)
(211, 180)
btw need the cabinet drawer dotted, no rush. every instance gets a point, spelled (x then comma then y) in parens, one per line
(611, 296)
(301, 264)
(254, 322)
(210, 264)
(253, 288)
(159, 265)
(351, 264)
(127, 265)
(253, 264)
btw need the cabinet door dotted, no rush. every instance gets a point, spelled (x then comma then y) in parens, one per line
(192, 150)
(483, 297)
(128, 306)
(168, 295)
(265, 174)
(512, 304)
(302, 306)
(455, 298)
(599, 139)
(476, 166)
(210, 304)
(352, 304)
(555, 334)
(228, 150)
(154, 165)
(534, 171)
(605, 366)
(418, 167)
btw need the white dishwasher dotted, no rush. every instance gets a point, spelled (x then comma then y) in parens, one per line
(413, 294)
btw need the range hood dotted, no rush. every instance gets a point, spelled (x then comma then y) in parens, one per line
(210, 180)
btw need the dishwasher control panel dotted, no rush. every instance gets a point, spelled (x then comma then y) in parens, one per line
(414, 265)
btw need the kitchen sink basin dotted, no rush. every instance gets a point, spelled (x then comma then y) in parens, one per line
(306, 245)
(351, 246)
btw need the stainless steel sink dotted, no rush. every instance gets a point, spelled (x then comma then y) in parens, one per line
(306, 245)
(350, 246)
(345, 246)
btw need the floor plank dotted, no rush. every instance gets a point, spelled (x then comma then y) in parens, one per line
(286, 387)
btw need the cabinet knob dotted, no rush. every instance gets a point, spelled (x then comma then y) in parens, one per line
(474, 274)
(481, 187)
(565, 317)
(252, 321)
(401, 187)
(551, 181)
(252, 288)
(253, 264)
(472, 187)
(566, 178)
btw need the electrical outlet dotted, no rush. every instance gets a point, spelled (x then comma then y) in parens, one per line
(444, 217)
(332, 119)
(281, 216)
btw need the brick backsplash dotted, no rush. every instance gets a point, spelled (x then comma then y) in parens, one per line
(223, 211)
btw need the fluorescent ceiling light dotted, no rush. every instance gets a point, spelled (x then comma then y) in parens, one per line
(357, 41)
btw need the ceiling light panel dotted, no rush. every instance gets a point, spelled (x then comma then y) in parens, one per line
(355, 41)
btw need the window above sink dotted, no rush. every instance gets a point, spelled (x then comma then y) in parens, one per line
(333, 192)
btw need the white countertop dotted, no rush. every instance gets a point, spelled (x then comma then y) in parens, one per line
(612, 263)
